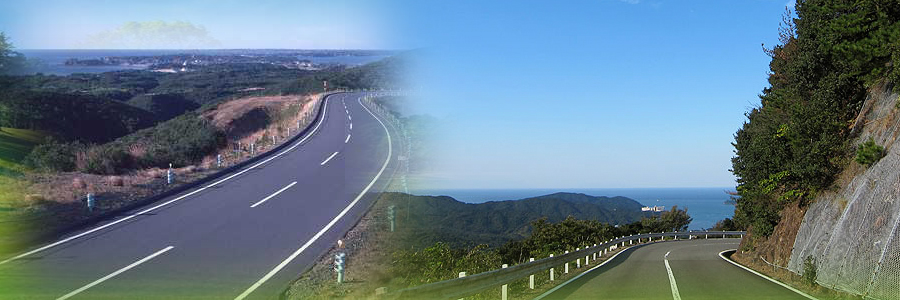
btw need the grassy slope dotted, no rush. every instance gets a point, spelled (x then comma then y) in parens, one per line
(14, 146)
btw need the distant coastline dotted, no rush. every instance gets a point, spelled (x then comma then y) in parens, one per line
(706, 205)
(54, 61)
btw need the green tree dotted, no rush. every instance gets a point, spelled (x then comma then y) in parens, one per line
(11, 62)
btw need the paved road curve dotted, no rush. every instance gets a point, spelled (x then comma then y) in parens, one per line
(695, 265)
(247, 236)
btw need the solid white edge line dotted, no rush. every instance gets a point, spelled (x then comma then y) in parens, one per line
(348, 139)
(722, 255)
(329, 158)
(547, 293)
(672, 284)
(273, 194)
(114, 274)
(66, 240)
(330, 224)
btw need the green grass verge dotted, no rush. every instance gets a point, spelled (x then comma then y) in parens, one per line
(15, 144)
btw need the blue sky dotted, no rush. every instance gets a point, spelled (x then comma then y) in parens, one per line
(590, 94)
(308, 24)
(530, 94)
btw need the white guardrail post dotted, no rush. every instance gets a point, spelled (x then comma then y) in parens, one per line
(461, 275)
(469, 285)
(551, 269)
(578, 261)
(531, 277)
(504, 290)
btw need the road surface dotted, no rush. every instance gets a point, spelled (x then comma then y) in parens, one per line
(246, 235)
(698, 273)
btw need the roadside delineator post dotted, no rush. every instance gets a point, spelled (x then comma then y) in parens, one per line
(218, 160)
(90, 202)
(339, 259)
(567, 265)
(170, 176)
(531, 277)
(391, 216)
(504, 290)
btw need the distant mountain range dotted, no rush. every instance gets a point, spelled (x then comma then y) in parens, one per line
(424, 220)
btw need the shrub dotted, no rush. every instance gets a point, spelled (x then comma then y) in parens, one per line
(78, 183)
(53, 156)
(869, 153)
(809, 270)
(104, 160)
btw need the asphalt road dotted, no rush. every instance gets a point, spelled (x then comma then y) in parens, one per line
(699, 273)
(229, 239)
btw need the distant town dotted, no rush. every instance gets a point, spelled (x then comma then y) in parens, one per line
(173, 63)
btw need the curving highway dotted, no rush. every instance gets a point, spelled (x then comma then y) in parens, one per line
(243, 236)
(687, 269)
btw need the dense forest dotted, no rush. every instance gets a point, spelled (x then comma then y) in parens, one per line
(799, 138)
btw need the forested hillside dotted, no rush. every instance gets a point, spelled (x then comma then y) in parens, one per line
(444, 219)
(794, 144)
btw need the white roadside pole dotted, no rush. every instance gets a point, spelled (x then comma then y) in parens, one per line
(551, 269)
(531, 277)
(504, 290)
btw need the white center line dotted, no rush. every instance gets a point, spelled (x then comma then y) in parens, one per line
(143, 212)
(273, 195)
(114, 274)
(348, 138)
(333, 221)
(674, 286)
(329, 158)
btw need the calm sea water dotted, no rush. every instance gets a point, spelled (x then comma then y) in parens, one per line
(705, 205)
(53, 61)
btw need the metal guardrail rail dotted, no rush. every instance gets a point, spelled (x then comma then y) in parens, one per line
(469, 285)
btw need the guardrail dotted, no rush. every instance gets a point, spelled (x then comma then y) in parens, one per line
(469, 285)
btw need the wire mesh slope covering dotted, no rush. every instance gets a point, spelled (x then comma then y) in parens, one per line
(852, 234)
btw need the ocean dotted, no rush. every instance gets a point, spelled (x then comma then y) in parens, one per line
(705, 205)
(52, 61)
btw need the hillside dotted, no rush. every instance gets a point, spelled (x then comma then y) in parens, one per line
(811, 188)
(441, 218)
(852, 231)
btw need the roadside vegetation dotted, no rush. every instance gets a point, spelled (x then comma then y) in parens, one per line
(800, 137)
(114, 134)
(441, 262)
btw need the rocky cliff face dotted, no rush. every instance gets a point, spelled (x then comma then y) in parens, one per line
(852, 232)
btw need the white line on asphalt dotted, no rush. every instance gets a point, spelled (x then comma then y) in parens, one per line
(114, 274)
(542, 296)
(333, 221)
(273, 195)
(348, 138)
(349, 117)
(674, 286)
(722, 255)
(351, 125)
(329, 158)
(66, 240)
